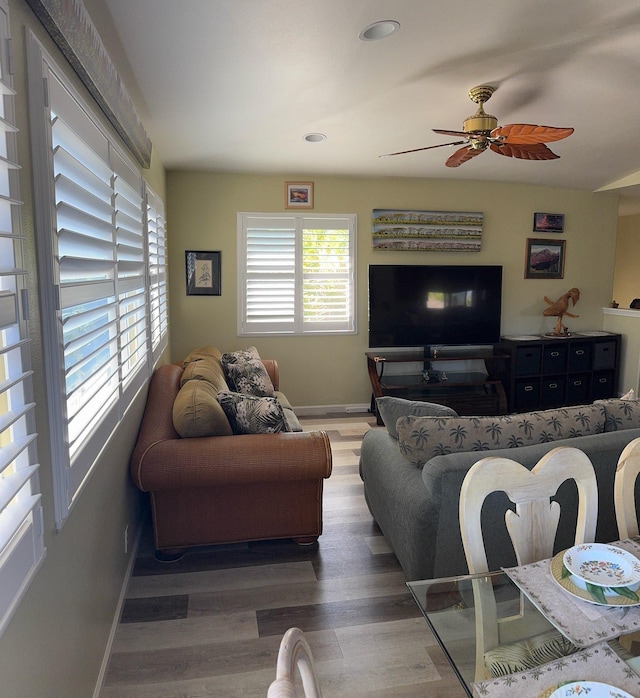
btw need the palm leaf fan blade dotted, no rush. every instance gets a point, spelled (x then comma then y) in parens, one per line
(538, 151)
(461, 156)
(526, 134)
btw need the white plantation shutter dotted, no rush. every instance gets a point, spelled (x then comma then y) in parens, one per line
(94, 274)
(157, 246)
(296, 274)
(21, 530)
(269, 275)
(132, 271)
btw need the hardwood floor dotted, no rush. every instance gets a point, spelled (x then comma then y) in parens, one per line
(211, 624)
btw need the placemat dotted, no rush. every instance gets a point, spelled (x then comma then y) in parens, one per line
(582, 622)
(597, 663)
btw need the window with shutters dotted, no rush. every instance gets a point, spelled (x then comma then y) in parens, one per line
(157, 246)
(100, 237)
(296, 274)
(21, 529)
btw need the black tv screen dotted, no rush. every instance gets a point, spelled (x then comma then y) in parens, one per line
(426, 305)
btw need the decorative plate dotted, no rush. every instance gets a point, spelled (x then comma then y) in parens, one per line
(595, 333)
(603, 565)
(593, 689)
(603, 596)
(523, 337)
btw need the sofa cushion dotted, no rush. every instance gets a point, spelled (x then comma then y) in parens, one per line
(392, 408)
(620, 414)
(206, 368)
(208, 351)
(197, 412)
(250, 414)
(245, 373)
(422, 438)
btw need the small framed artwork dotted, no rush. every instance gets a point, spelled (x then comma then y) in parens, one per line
(548, 222)
(203, 273)
(298, 194)
(544, 259)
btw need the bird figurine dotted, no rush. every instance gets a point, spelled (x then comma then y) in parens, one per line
(560, 308)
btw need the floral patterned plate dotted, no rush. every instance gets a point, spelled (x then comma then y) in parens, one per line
(592, 689)
(603, 565)
(602, 596)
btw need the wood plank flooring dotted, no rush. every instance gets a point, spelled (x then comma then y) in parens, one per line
(211, 624)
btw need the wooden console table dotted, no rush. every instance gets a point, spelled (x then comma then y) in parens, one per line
(468, 393)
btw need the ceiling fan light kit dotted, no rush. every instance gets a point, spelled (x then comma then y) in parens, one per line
(481, 132)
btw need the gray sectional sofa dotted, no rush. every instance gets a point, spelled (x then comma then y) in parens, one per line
(413, 471)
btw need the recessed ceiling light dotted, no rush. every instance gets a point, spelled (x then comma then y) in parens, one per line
(315, 137)
(379, 30)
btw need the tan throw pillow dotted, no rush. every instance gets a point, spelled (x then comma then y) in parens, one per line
(422, 438)
(207, 368)
(197, 412)
(203, 352)
(246, 374)
(249, 414)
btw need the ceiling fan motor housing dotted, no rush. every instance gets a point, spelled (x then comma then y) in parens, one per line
(480, 121)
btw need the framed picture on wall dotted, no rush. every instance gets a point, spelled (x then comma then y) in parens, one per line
(298, 194)
(203, 273)
(544, 259)
(548, 222)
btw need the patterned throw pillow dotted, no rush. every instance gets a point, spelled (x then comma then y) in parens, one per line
(246, 374)
(422, 438)
(620, 414)
(249, 414)
(392, 408)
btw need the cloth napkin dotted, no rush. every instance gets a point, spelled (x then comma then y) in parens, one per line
(582, 622)
(597, 663)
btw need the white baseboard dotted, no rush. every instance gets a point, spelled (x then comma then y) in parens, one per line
(313, 410)
(116, 619)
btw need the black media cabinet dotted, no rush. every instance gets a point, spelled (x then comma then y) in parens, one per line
(546, 372)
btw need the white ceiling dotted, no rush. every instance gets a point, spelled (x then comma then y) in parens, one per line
(233, 85)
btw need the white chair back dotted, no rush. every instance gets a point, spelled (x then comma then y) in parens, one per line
(532, 526)
(624, 490)
(295, 654)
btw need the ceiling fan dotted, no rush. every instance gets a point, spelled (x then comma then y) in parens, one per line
(481, 131)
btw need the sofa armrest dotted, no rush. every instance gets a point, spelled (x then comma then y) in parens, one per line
(157, 420)
(274, 372)
(223, 460)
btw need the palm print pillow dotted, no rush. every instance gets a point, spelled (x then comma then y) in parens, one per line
(249, 414)
(245, 373)
(621, 414)
(422, 438)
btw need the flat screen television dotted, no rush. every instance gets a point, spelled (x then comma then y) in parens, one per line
(427, 305)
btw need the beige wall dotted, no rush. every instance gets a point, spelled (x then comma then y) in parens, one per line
(626, 284)
(55, 643)
(331, 370)
(626, 323)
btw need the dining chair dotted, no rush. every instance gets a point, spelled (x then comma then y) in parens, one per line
(532, 528)
(295, 654)
(624, 490)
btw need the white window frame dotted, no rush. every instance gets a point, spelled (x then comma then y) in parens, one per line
(94, 235)
(21, 526)
(281, 269)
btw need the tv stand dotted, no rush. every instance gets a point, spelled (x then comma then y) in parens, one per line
(467, 392)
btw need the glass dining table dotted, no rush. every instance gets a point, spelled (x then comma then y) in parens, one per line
(464, 612)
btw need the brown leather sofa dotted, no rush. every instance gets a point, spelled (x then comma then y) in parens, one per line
(225, 489)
